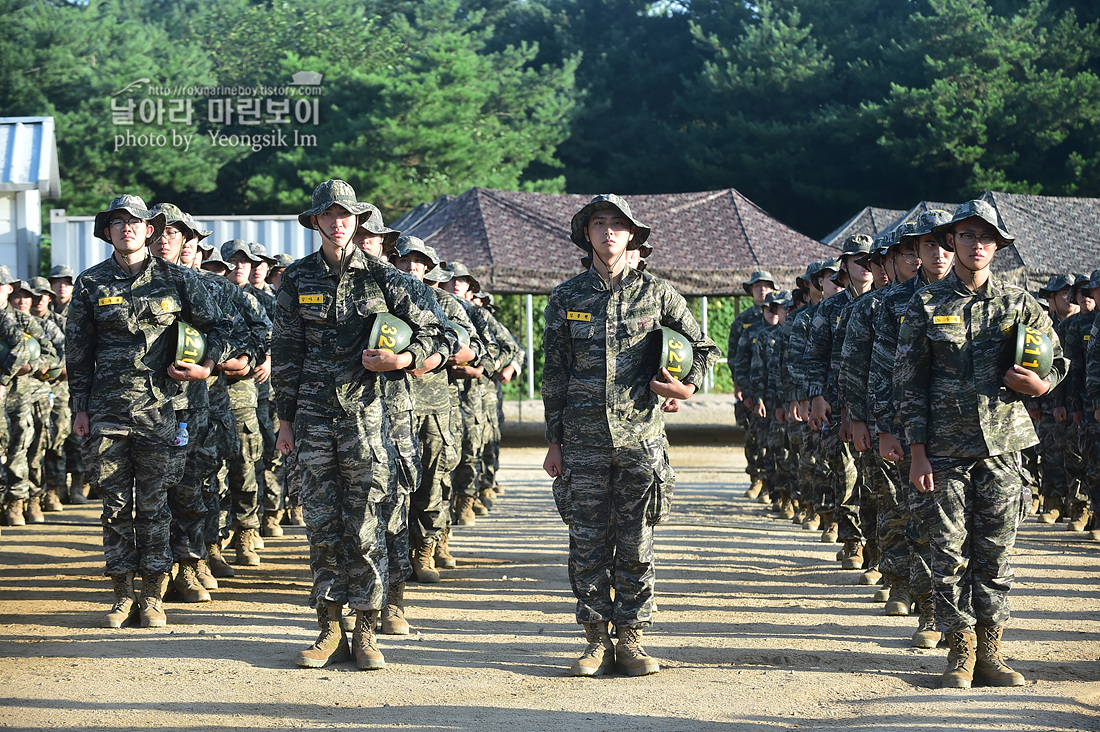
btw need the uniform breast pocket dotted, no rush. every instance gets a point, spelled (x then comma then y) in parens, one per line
(162, 311)
(581, 330)
(948, 332)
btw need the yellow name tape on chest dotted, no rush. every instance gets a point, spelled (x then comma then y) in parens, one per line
(311, 299)
(583, 317)
(111, 300)
(1087, 336)
(947, 319)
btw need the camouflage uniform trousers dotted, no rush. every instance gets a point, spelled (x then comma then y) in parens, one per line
(29, 429)
(1033, 474)
(744, 418)
(1076, 494)
(343, 466)
(464, 479)
(765, 462)
(452, 456)
(269, 486)
(428, 515)
(916, 533)
(187, 498)
(223, 439)
(893, 517)
(871, 488)
(837, 492)
(1090, 449)
(134, 475)
(1052, 462)
(490, 454)
(778, 461)
(611, 493)
(243, 488)
(406, 479)
(803, 455)
(972, 517)
(55, 461)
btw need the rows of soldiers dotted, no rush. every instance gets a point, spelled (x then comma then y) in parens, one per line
(167, 350)
(882, 410)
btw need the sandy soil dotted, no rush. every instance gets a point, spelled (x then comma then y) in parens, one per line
(758, 630)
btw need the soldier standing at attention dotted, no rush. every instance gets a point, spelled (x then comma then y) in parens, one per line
(965, 421)
(602, 394)
(120, 344)
(738, 357)
(331, 415)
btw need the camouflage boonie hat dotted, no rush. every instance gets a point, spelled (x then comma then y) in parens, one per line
(173, 216)
(61, 271)
(778, 297)
(338, 192)
(1056, 283)
(1080, 280)
(828, 265)
(136, 208)
(599, 203)
(259, 250)
(205, 246)
(200, 233)
(374, 226)
(215, 258)
(406, 245)
(233, 246)
(803, 280)
(975, 209)
(487, 301)
(857, 244)
(18, 285)
(458, 269)
(1094, 279)
(5, 275)
(41, 285)
(929, 220)
(758, 275)
(438, 273)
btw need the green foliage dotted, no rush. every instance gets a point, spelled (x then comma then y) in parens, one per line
(513, 316)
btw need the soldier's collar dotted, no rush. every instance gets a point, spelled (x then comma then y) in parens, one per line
(627, 278)
(992, 288)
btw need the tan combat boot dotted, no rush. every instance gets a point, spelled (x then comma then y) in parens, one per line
(485, 495)
(393, 614)
(1080, 522)
(32, 510)
(991, 668)
(1051, 515)
(754, 490)
(829, 529)
(882, 594)
(13, 513)
(331, 645)
(479, 508)
(297, 518)
(960, 660)
(870, 576)
(151, 606)
(187, 583)
(218, 566)
(851, 555)
(423, 562)
(78, 490)
(926, 635)
(464, 511)
(245, 546)
(443, 556)
(205, 576)
(124, 610)
(364, 644)
(900, 601)
(51, 501)
(630, 657)
(786, 509)
(812, 521)
(599, 655)
(271, 527)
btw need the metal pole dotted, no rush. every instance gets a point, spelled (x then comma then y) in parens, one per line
(707, 384)
(530, 346)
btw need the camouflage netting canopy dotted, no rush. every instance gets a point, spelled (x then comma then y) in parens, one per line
(704, 243)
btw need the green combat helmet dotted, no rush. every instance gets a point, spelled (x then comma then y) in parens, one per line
(676, 354)
(190, 343)
(389, 333)
(1034, 351)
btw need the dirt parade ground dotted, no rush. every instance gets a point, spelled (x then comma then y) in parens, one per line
(758, 629)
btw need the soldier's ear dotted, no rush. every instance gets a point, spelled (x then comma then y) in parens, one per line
(633, 230)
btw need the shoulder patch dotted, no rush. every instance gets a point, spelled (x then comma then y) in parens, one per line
(284, 298)
(583, 317)
(947, 320)
(111, 300)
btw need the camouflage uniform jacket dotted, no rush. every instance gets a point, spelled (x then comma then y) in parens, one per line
(120, 340)
(796, 352)
(953, 351)
(782, 381)
(744, 320)
(12, 333)
(432, 392)
(506, 344)
(743, 368)
(818, 357)
(398, 387)
(244, 392)
(28, 388)
(853, 370)
(1075, 345)
(880, 377)
(471, 391)
(267, 302)
(321, 331)
(599, 360)
(764, 372)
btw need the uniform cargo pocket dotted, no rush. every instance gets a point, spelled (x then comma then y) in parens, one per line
(659, 504)
(563, 497)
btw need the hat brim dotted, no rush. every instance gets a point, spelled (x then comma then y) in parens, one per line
(941, 232)
(357, 208)
(580, 220)
(158, 221)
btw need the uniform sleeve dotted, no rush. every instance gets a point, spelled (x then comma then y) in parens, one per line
(206, 315)
(287, 347)
(819, 348)
(880, 375)
(491, 356)
(256, 323)
(12, 334)
(1092, 364)
(1036, 318)
(677, 316)
(558, 353)
(80, 340)
(912, 373)
(409, 301)
(855, 361)
(796, 347)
